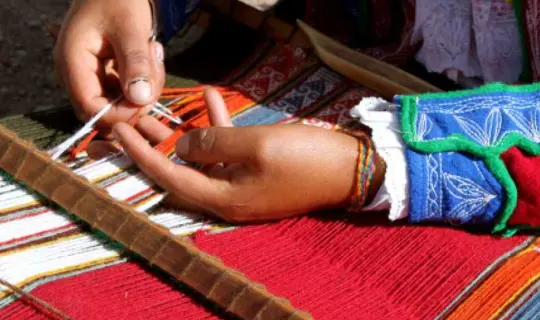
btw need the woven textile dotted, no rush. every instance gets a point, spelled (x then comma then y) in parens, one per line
(330, 264)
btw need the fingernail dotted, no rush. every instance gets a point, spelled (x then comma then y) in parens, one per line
(182, 146)
(140, 91)
(160, 55)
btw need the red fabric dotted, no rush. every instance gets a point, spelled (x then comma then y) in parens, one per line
(334, 269)
(525, 170)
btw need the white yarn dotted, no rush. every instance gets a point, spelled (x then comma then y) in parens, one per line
(85, 130)
(59, 150)
(158, 109)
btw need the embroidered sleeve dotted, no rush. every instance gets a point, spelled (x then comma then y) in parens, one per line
(454, 145)
(382, 118)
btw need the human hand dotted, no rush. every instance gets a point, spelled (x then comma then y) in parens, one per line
(252, 174)
(104, 49)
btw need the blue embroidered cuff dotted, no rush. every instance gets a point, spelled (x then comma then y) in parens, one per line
(452, 187)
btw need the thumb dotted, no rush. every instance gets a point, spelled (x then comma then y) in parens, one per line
(219, 145)
(137, 64)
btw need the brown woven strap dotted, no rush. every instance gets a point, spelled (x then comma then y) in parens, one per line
(206, 274)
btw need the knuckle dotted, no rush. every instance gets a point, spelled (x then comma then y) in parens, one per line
(136, 57)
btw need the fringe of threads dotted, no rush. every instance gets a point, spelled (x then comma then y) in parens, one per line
(188, 103)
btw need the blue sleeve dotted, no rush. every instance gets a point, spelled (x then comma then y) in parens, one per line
(174, 15)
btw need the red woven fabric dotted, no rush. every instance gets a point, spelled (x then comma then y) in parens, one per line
(525, 170)
(334, 269)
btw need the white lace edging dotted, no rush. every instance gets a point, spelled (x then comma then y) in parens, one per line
(480, 39)
(381, 116)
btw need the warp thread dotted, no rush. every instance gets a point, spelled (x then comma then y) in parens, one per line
(88, 129)
(34, 300)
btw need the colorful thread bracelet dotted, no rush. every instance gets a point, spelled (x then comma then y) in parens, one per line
(365, 169)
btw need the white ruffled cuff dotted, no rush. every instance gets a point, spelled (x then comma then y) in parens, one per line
(383, 119)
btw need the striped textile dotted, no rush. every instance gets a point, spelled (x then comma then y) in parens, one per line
(333, 265)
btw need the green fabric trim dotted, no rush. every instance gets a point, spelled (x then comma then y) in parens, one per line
(460, 143)
(526, 72)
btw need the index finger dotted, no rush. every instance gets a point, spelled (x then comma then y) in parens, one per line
(186, 183)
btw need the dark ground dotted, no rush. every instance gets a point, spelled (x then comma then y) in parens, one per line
(26, 66)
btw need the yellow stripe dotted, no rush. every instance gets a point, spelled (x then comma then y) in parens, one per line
(242, 109)
(20, 207)
(515, 296)
(505, 285)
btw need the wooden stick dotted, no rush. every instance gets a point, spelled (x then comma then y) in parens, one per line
(34, 300)
(204, 273)
(372, 73)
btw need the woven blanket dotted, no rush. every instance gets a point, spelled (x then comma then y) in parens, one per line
(331, 264)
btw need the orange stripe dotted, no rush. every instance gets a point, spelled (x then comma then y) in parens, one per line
(502, 288)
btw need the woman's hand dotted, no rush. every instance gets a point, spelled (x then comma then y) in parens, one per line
(103, 50)
(252, 174)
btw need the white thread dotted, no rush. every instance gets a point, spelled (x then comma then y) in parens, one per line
(88, 127)
(163, 108)
(160, 109)
(170, 103)
(166, 115)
